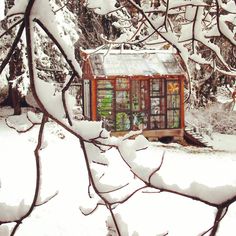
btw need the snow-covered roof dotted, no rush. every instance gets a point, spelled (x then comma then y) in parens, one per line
(131, 62)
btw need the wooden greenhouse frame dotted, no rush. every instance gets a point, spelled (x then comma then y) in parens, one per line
(131, 90)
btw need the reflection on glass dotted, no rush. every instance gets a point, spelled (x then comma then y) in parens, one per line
(122, 121)
(140, 120)
(105, 99)
(136, 95)
(172, 87)
(173, 119)
(156, 87)
(105, 103)
(157, 106)
(157, 122)
(104, 84)
(108, 119)
(122, 83)
(173, 101)
(122, 100)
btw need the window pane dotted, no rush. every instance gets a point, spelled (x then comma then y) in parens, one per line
(105, 99)
(122, 121)
(122, 100)
(156, 87)
(108, 119)
(136, 96)
(157, 106)
(172, 87)
(122, 84)
(157, 122)
(173, 101)
(105, 104)
(104, 84)
(144, 94)
(140, 120)
(173, 119)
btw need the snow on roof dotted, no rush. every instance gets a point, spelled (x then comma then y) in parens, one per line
(130, 62)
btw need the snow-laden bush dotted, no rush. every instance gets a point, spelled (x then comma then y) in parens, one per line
(3, 88)
(218, 117)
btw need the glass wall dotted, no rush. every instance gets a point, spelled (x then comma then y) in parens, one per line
(127, 104)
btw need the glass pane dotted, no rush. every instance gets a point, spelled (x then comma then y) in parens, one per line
(108, 119)
(139, 95)
(122, 121)
(173, 101)
(122, 84)
(172, 87)
(105, 105)
(173, 119)
(144, 94)
(157, 122)
(136, 96)
(156, 87)
(157, 106)
(104, 84)
(105, 99)
(140, 120)
(122, 100)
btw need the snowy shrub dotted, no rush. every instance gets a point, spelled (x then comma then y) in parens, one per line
(3, 88)
(215, 118)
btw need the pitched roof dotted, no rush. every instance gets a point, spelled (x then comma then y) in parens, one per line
(131, 62)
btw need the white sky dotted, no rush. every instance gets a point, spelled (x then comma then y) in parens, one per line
(1, 9)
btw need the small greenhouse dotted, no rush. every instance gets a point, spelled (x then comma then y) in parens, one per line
(131, 90)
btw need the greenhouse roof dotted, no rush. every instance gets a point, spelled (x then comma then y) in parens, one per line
(131, 63)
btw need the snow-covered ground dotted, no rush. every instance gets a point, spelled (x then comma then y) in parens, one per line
(147, 213)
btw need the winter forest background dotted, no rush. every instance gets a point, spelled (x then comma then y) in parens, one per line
(61, 174)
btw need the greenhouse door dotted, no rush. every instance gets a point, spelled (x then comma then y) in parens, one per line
(165, 107)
